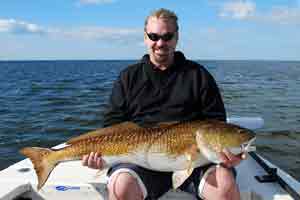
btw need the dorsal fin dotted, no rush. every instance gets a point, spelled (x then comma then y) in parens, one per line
(107, 130)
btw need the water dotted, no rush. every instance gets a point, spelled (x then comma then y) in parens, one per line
(44, 103)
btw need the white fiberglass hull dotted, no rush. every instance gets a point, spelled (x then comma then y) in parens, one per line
(70, 180)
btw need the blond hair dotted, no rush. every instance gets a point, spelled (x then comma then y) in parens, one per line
(163, 14)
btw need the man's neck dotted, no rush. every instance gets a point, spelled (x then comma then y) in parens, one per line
(162, 66)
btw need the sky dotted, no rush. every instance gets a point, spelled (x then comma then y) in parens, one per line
(113, 29)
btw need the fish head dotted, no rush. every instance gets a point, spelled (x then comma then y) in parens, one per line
(213, 138)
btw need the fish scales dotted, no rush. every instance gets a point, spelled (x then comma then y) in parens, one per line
(175, 140)
(117, 143)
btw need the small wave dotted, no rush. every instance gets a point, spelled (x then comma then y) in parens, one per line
(289, 133)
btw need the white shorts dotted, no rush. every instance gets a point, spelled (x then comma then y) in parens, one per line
(143, 188)
(203, 180)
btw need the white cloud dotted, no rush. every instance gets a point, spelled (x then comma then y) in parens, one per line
(103, 34)
(246, 10)
(96, 33)
(283, 15)
(238, 9)
(20, 27)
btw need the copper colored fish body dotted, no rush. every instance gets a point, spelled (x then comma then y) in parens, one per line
(167, 147)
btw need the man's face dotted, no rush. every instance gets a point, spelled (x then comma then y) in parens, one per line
(161, 51)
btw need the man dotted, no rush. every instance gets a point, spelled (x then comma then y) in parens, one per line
(164, 86)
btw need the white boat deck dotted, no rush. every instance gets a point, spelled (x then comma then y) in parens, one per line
(71, 180)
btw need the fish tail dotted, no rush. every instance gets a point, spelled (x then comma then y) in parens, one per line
(41, 162)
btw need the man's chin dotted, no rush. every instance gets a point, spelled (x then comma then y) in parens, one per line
(161, 56)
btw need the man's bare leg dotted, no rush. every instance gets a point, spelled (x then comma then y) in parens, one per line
(123, 186)
(220, 184)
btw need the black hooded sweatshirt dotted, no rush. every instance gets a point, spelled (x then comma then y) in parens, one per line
(146, 95)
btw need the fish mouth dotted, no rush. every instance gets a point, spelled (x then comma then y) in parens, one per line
(245, 147)
(248, 146)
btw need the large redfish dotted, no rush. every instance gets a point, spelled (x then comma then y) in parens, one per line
(175, 147)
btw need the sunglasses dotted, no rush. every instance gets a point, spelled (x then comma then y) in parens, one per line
(165, 37)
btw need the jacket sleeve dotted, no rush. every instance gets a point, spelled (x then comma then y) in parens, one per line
(211, 100)
(116, 109)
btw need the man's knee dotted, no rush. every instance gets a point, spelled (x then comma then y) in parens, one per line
(220, 184)
(124, 186)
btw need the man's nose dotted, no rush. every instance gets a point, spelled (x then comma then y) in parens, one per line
(160, 42)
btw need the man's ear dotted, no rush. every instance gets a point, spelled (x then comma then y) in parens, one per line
(177, 36)
(145, 37)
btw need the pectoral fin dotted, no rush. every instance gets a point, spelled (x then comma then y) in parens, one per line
(100, 173)
(191, 153)
(179, 177)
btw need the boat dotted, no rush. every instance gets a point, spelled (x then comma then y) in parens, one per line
(258, 179)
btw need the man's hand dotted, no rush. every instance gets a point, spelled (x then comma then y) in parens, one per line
(93, 160)
(230, 160)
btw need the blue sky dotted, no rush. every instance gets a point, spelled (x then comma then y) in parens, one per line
(113, 29)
